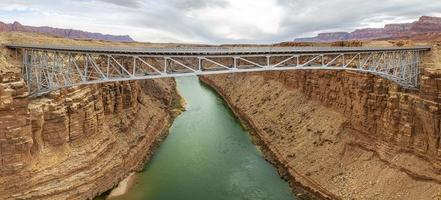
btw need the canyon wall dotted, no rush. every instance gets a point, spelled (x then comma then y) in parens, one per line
(80, 142)
(344, 135)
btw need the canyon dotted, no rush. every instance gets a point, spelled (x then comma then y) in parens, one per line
(344, 135)
(336, 134)
(421, 29)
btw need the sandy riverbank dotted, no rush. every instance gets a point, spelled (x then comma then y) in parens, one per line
(123, 187)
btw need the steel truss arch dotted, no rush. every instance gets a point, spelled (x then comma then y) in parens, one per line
(46, 69)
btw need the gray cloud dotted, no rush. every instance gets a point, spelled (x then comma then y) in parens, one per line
(125, 3)
(196, 4)
(181, 4)
(315, 15)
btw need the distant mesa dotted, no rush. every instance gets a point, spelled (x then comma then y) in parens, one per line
(66, 33)
(390, 31)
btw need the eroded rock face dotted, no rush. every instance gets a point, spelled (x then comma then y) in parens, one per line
(376, 107)
(79, 143)
(15, 130)
(344, 134)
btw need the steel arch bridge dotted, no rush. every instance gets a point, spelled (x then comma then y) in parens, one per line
(48, 68)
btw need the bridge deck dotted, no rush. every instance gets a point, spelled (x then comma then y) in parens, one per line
(214, 50)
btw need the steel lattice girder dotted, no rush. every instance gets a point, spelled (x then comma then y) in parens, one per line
(46, 70)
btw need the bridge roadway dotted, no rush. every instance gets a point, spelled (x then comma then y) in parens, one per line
(49, 67)
(212, 50)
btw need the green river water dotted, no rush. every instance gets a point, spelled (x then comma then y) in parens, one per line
(207, 156)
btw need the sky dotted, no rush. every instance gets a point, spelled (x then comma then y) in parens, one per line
(215, 21)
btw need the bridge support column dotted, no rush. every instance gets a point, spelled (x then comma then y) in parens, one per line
(199, 64)
(268, 61)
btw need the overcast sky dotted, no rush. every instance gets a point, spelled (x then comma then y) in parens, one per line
(215, 21)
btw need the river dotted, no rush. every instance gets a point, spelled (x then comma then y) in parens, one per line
(207, 156)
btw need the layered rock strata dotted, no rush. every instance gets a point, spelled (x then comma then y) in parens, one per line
(344, 135)
(79, 143)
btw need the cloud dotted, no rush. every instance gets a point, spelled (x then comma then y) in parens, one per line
(349, 15)
(197, 4)
(125, 3)
(216, 21)
(180, 4)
